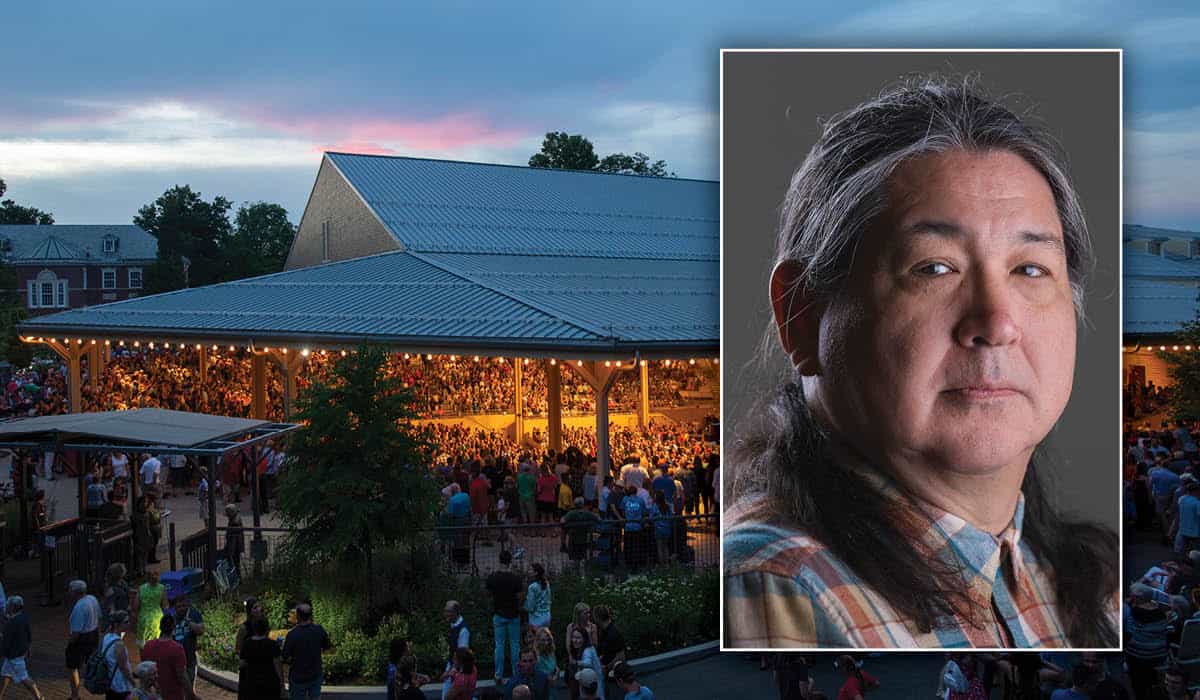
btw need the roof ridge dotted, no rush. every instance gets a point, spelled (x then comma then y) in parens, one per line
(598, 332)
(512, 165)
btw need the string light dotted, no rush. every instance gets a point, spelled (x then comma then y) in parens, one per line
(137, 343)
(121, 343)
(167, 346)
(607, 363)
(405, 354)
(429, 357)
(643, 363)
(551, 361)
(692, 361)
(618, 363)
(666, 363)
(151, 345)
(716, 360)
(578, 363)
(106, 343)
(526, 360)
(93, 341)
(1174, 347)
(477, 358)
(324, 353)
(1162, 347)
(230, 348)
(304, 352)
(343, 353)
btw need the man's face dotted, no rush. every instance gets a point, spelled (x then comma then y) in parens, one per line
(954, 344)
(525, 663)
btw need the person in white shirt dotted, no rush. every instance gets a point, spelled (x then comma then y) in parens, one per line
(150, 470)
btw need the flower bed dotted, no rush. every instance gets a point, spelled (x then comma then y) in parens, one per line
(656, 613)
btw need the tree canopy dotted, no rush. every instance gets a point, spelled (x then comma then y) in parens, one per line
(355, 479)
(1184, 369)
(199, 245)
(13, 213)
(563, 151)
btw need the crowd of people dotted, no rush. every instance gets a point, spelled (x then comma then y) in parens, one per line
(1142, 399)
(441, 385)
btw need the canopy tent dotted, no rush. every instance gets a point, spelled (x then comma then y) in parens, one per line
(157, 430)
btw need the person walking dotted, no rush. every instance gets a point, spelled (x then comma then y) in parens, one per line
(116, 657)
(18, 637)
(302, 652)
(457, 637)
(168, 654)
(626, 678)
(189, 625)
(83, 634)
(506, 590)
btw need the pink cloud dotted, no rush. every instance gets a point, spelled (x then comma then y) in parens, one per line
(448, 132)
(361, 147)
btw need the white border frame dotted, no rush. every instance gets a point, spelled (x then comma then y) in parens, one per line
(1120, 324)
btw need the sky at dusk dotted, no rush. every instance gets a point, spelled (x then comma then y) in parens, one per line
(103, 106)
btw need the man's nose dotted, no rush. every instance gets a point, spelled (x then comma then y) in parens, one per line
(989, 318)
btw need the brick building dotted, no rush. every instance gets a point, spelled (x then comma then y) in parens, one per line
(70, 266)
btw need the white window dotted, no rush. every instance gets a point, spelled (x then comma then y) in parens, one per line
(110, 244)
(325, 241)
(48, 291)
(108, 278)
(135, 278)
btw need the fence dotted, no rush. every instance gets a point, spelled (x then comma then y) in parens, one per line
(79, 549)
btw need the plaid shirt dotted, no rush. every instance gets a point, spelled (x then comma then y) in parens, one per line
(784, 589)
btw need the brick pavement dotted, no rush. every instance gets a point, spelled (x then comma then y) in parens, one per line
(46, 662)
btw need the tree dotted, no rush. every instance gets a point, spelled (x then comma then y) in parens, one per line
(13, 213)
(12, 312)
(188, 227)
(261, 240)
(1184, 369)
(355, 480)
(564, 151)
(636, 164)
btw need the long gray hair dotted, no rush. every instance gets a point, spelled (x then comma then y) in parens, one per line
(842, 184)
(783, 468)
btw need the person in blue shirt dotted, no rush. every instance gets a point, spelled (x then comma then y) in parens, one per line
(1163, 483)
(664, 483)
(626, 678)
(529, 675)
(1188, 537)
(459, 505)
(1084, 679)
(636, 544)
(664, 524)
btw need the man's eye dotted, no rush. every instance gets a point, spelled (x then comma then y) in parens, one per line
(933, 269)
(1031, 270)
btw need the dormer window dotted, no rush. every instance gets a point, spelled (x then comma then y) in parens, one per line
(110, 245)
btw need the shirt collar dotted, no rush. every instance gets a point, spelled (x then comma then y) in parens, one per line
(979, 553)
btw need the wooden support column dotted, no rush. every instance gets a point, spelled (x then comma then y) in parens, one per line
(601, 379)
(202, 361)
(289, 363)
(94, 367)
(258, 381)
(71, 351)
(644, 402)
(518, 402)
(553, 405)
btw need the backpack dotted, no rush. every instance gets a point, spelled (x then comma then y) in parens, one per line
(96, 675)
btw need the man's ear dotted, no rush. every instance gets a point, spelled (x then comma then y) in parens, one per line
(797, 317)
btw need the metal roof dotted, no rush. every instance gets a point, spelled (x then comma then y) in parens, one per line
(450, 206)
(1158, 308)
(1134, 231)
(83, 241)
(143, 426)
(494, 258)
(1147, 265)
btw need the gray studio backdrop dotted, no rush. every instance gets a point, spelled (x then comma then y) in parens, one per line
(770, 109)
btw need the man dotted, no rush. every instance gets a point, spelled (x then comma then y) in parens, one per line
(150, 470)
(1083, 682)
(526, 488)
(1107, 688)
(610, 645)
(626, 679)
(528, 674)
(480, 501)
(302, 650)
(83, 635)
(507, 591)
(1163, 484)
(578, 525)
(632, 474)
(457, 637)
(18, 637)
(173, 681)
(459, 505)
(926, 293)
(522, 692)
(1175, 684)
(589, 684)
(1188, 537)
(188, 625)
(663, 481)
(637, 545)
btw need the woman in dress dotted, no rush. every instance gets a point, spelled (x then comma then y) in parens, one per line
(261, 673)
(537, 598)
(580, 655)
(148, 607)
(254, 611)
